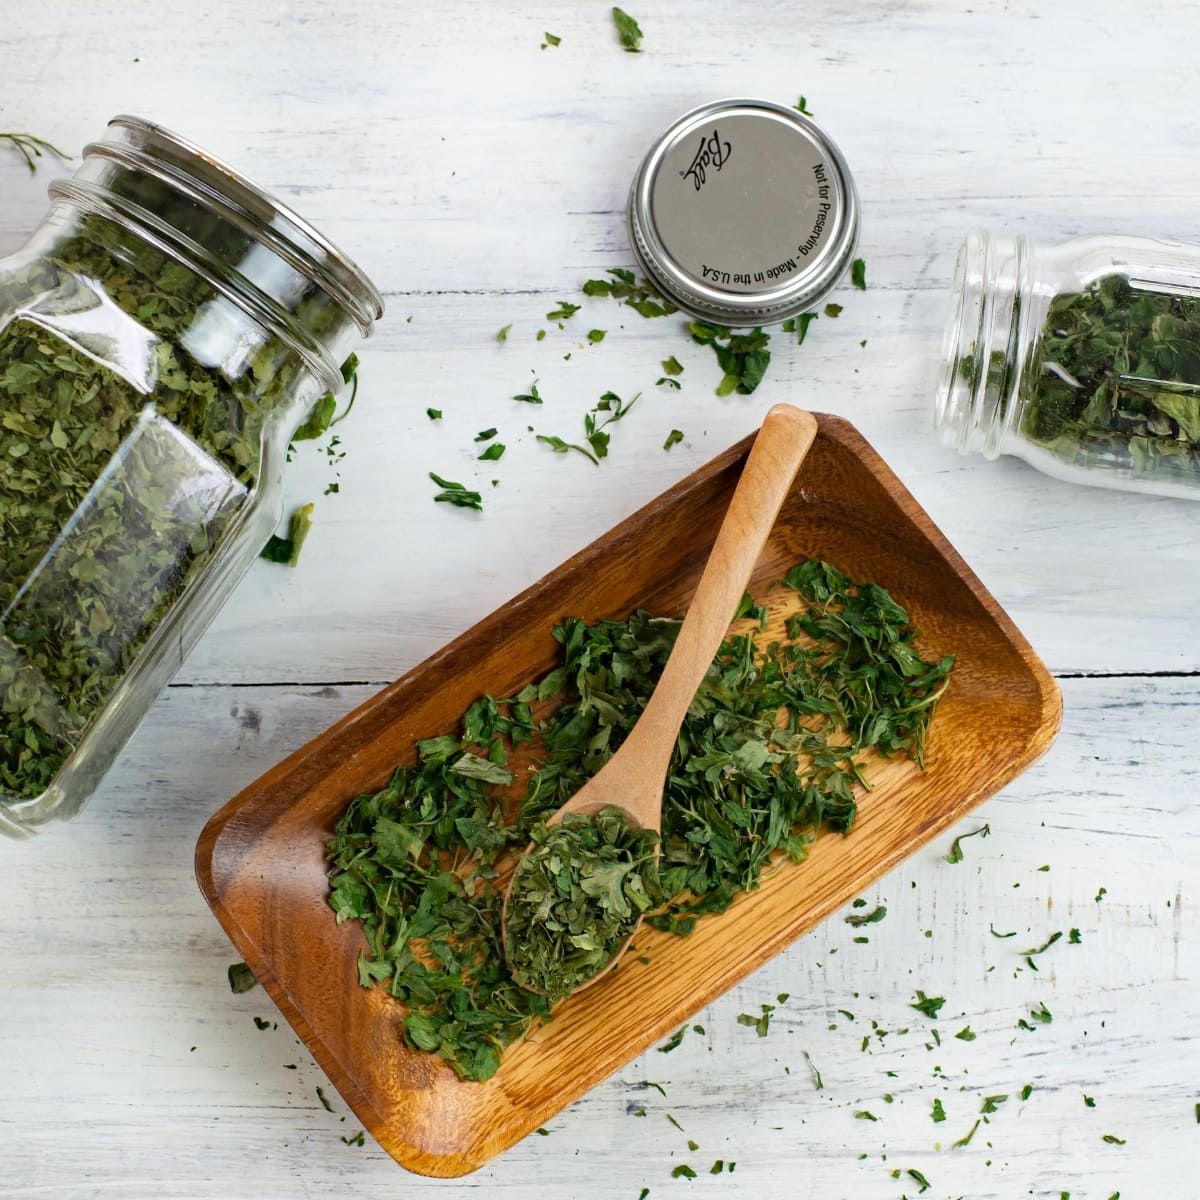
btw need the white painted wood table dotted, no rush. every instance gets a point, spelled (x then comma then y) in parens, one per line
(479, 179)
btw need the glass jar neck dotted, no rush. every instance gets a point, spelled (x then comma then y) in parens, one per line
(989, 344)
(273, 270)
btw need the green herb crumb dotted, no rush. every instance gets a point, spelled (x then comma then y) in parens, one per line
(929, 1006)
(628, 31)
(956, 854)
(873, 917)
(457, 494)
(32, 148)
(241, 978)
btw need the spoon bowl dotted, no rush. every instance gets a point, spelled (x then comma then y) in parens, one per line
(632, 779)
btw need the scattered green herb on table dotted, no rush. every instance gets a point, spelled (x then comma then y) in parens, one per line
(799, 325)
(627, 30)
(801, 106)
(609, 409)
(533, 396)
(956, 853)
(873, 917)
(673, 438)
(858, 274)
(743, 357)
(241, 978)
(966, 1141)
(578, 892)
(818, 1082)
(1030, 955)
(929, 1006)
(32, 148)
(551, 40)
(1041, 1014)
(457, 494)
(771, 752)
(674, 1041)
(760, 1024)
(624, 286)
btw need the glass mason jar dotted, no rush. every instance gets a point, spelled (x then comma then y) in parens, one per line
(1081, 358)
(162, 334)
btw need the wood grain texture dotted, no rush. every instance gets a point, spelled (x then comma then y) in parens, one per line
(479, 180)
(261, 864)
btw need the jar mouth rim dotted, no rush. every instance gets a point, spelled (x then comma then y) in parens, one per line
(334, 270)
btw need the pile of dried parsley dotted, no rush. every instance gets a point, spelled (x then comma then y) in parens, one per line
(771, 751)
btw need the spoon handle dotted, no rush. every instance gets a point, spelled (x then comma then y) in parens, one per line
(779, 449)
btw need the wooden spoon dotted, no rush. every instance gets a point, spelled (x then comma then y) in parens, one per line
(632, 780)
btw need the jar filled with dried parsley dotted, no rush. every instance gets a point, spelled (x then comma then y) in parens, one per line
(162, 334)
(1081, 358)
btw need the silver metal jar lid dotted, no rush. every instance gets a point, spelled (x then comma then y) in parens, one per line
(743, 213)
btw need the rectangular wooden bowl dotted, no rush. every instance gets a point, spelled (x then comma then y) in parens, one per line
(260, 860)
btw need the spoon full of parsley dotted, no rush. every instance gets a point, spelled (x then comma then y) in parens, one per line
(576, 897)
